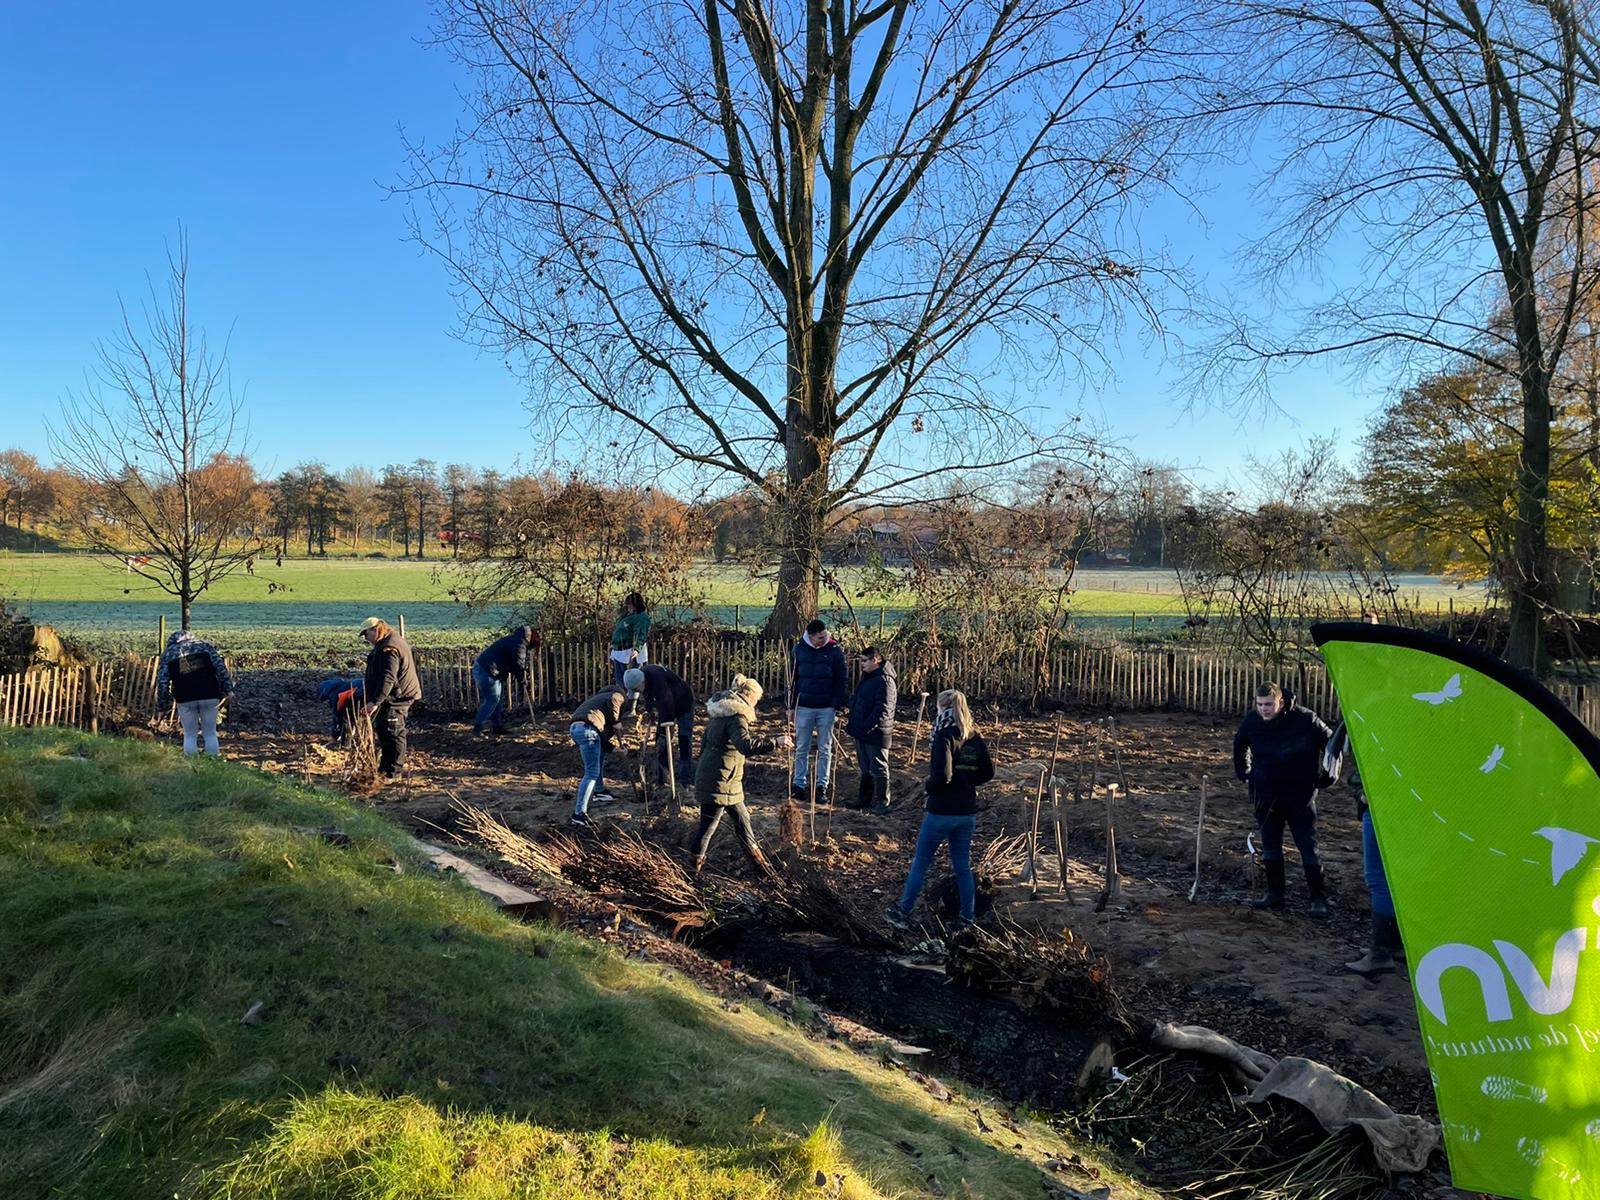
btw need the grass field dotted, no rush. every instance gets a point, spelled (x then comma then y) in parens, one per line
(308, 603)
(412, 1042)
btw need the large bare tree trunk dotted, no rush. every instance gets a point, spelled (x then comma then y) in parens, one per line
(1531, 589)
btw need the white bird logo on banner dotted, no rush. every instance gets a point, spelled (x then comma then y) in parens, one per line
(1450, 691)
(1567, 849)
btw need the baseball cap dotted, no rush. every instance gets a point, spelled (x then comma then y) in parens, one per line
(369, 623)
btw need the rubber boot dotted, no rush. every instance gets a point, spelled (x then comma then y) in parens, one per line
(1397, 948)
(880, 795)
(863, 793)
(1379, 958)
(1319, 896)
(1275, 878)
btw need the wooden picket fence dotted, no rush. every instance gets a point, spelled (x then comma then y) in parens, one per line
(567, 672)
(78, 696)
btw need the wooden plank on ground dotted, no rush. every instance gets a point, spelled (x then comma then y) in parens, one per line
(508, 896)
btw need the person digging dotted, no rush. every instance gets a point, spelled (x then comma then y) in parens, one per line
(1277, 752)
(719, 775)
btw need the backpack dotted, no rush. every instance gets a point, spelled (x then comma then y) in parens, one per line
(972, 763)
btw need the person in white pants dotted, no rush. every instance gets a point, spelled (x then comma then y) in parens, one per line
(193, 676)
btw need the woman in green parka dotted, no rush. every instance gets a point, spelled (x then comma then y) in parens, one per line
(719, 776)
(630, 637)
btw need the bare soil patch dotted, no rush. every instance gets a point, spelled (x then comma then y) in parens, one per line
(1274, 981)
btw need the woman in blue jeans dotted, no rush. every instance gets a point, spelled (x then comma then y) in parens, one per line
(593, 729)
(958, 762)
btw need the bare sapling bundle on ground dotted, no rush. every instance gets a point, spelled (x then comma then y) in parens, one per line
(1062, 975)
(619, 866)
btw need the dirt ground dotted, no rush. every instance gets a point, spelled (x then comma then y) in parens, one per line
(1274, 981)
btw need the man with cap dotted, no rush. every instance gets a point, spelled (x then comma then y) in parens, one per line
(504, 659)
(660, 696)
(391, 687)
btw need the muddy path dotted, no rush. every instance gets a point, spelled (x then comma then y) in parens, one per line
(1271, 980)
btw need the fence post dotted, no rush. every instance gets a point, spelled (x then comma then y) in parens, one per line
(161, 632)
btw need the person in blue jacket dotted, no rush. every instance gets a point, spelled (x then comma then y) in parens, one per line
(342, 696)
(818, 688)
(872, 725)
(1277, 752)
(503, 660)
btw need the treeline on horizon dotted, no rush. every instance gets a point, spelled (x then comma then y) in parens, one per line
(1129, 512)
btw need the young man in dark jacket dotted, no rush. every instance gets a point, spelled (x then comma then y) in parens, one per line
(818, 687)
(872, 725)
(662, 698)
(1278, 753)
(391, 687)
(503, 660)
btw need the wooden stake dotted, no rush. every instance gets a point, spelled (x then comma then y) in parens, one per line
(1030, 871)
(1061, 841)
(1116, 751)
(1113, 887)
(922, 702)
(1199, 834)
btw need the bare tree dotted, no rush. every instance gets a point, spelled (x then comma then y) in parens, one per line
(1455, 140)
(822, 248)
(158, 437)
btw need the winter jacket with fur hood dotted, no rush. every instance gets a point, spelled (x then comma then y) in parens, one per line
(719, 777)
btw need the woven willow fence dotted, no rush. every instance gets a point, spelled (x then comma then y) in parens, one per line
(567, 672)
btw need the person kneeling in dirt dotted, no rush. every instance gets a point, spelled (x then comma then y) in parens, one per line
(719, 779)
(193, 676)
(958, 762)
(391, 687)
(504, 659)
(872, 725)
(343, 697)
(594, 730)
(660, 697)
(1278, 753)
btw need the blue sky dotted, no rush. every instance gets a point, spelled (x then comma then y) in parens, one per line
(271, 132)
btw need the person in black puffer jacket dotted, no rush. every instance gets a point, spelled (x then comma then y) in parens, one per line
(872, 725)
(818, 688)
(958, 762)
(666, 698)
(1278, 753)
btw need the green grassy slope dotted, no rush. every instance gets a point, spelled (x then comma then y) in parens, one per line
(415, 1043)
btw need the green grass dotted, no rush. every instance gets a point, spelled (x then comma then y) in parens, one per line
(147, 902)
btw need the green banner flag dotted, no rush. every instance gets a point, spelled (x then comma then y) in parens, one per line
(1485, 795)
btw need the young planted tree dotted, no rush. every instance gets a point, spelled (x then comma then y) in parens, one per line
(820, 248)
(158, 438)
(1456, 141)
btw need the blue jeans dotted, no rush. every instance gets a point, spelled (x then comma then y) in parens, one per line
(1372, 865)
(935, 830)
(587, 738)
(492, 706)
(809, 722)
